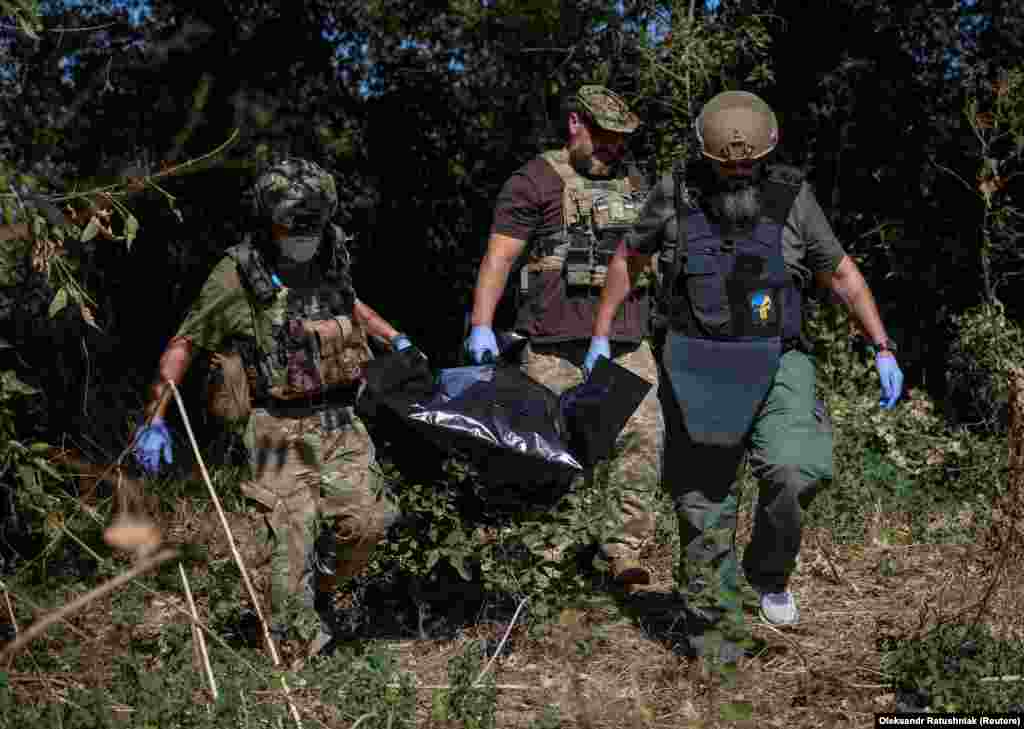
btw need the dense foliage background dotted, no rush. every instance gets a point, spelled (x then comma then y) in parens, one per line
(130, 131)
(421, 113)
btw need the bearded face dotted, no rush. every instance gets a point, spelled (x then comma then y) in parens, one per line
(736, 200)
(595, 152)
(584, 161)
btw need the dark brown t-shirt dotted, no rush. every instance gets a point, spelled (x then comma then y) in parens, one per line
(529, 208)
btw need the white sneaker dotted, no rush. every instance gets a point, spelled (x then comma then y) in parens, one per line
(779, 608)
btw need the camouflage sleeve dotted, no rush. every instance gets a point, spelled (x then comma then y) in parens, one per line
(808, 242)
(221, 311)
(647, 236)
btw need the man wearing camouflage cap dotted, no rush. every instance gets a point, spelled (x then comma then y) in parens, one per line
(287, 339)
(749, 238)
(565, 212)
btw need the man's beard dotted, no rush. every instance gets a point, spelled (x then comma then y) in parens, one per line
(583, 161)
(738, 208)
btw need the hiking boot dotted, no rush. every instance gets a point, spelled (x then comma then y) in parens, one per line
(779, 608)
(628, 571)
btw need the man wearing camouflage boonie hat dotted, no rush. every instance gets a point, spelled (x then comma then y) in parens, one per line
(565, 211)
(748, 239)
(287, 340)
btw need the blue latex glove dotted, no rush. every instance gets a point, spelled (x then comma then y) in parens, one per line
(599, 347)
(151, 442)
(892, 379)
(400, 342)
(481, 346)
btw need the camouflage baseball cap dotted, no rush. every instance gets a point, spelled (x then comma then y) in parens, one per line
(608, 110)
(296, 192)
(736, 125)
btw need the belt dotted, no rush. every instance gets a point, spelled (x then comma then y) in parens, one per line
(300, 407)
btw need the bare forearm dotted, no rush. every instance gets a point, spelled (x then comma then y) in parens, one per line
(502, 252)
(851, 288)
(618, 284)
(490, 284)
(174, 363)
(374, 323)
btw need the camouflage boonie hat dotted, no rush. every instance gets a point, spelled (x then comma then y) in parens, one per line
(736, 125)
(295, 187)
(608, 110)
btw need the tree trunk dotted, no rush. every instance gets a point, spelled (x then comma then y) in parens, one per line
(1015, 436)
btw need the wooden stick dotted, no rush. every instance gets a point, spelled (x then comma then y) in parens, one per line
(234, 551)
(197, 634)
(39, 609)
(40, 625)
(501, 644)
(10, 611)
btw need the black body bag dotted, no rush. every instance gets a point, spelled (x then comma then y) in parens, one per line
(507, 425)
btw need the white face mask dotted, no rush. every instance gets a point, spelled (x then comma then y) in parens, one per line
(301, 243)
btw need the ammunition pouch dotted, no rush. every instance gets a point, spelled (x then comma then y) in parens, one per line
(582, 260)
(586, 264)
(229, 387)
(321, 354)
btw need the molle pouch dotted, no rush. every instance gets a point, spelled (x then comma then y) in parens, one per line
(343, 349)
(302, 368)
(228, 393)
(756, 301)
(706, 289)
(580, 259)
(609, 207)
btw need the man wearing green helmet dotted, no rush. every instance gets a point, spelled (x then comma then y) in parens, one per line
(749, 238)
(287, 339)
(564, 212)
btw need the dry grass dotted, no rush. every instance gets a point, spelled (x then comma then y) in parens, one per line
(825, 672)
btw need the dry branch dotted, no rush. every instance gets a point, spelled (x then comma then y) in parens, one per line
(234, 551)
(40, 625)
(501, 644)
(197, 633)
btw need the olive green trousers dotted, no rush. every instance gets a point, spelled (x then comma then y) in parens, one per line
(790, 450)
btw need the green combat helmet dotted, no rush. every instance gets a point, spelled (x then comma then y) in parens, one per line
(608, 110)
(301, 195)
(295, 187)
(736, 125)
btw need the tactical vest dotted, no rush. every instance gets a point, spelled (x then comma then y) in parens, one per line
(736, 287)
(596, 215)
(307, 341)
(733, 310)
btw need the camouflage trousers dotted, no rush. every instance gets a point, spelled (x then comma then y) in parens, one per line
(313, 474)
(635, 467)
(790, 452)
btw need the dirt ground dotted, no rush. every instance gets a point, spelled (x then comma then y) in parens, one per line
(824, 672)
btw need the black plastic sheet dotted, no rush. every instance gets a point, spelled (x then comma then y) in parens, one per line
(504, 423)
(513, 429)
(595, 411)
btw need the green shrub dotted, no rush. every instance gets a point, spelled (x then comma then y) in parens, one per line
(908, 460)
(951, 670)
(986, 347)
